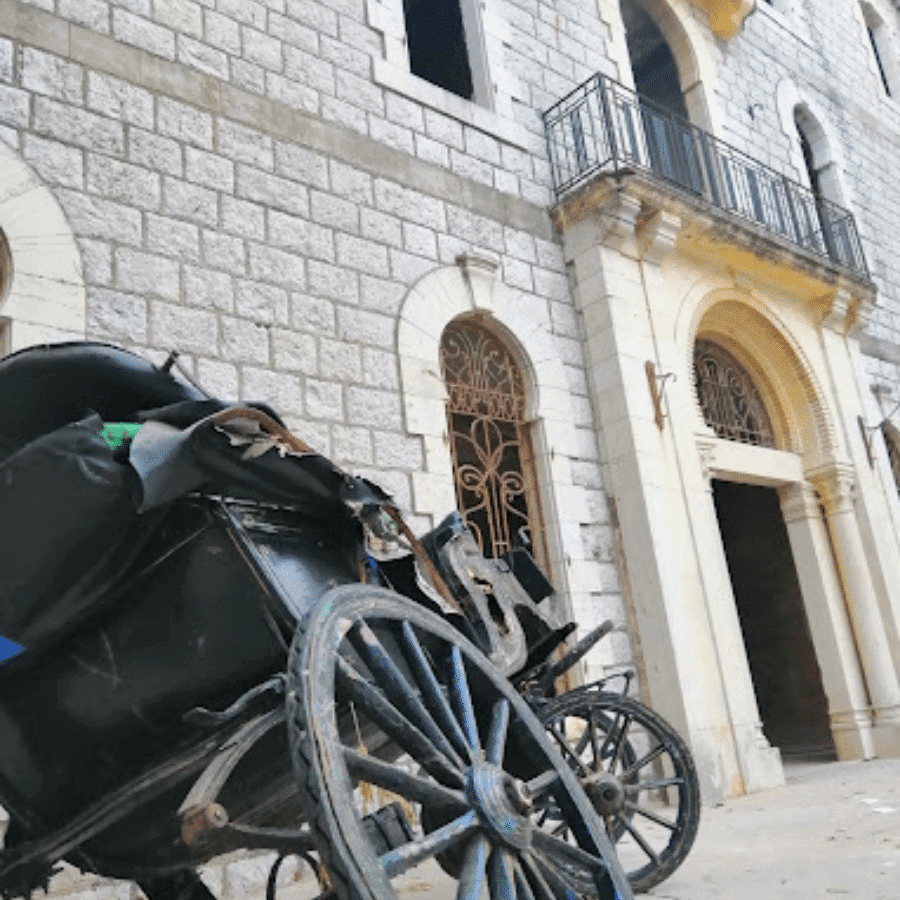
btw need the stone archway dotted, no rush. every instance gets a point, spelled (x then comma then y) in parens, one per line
(814, 482)
(45, 298)
(473, 289)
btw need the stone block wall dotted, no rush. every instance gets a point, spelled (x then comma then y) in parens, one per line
(241, 189)
(245, 187)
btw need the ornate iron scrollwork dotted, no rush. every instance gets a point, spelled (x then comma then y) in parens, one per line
(731, 404)
(492, 461)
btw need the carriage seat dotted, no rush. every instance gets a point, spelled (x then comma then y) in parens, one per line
(46, 387)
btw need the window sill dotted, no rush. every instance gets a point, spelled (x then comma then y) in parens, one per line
(486, 120)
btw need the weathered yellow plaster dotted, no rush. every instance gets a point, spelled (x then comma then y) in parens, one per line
(726, 16)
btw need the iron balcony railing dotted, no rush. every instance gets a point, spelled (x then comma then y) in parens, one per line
(602, 127)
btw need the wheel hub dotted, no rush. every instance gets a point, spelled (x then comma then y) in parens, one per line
(502, 803)
(606, 792)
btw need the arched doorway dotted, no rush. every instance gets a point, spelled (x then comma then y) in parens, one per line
(490, 444)
(786, 677)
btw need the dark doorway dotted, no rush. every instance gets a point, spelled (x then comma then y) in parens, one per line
(652, 62)
(786, 675)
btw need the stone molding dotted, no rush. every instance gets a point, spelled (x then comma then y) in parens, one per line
(473, 288)
(45, 300)
(836, 486)
(707, 231)
(799, 502)
(851, 720)
(103, 53)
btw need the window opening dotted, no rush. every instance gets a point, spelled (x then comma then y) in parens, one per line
(436, 41)
(823, 228)
(652, 61)
(493, 463)
(878, 40)
(668, 136)
(731, 404)
(878, 62)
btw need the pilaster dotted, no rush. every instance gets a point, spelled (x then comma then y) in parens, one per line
(611, 248)
(829, 624)
(835, 484)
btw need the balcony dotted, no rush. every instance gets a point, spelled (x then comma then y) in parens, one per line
(603, 128)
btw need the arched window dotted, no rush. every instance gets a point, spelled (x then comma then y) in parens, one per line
(731, 404)
(667, 136)
(824, 223)
(882, 51)
(652, 61)
(493, 464)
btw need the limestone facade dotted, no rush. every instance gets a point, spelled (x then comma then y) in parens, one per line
(265, 186)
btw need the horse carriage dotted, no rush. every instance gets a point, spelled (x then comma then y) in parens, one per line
(232, 644)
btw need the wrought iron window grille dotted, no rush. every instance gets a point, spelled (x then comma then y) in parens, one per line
(493, 464)
(602, 128)
(731, 404)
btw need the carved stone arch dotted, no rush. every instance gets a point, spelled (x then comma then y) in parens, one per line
(693, 52)
(749, 329)
(882, 20)
(45, 296)
(472, 289)
(824, 141)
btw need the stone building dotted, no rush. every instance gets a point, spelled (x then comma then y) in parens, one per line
(666, 329)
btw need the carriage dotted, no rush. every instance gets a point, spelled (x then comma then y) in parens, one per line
(232, 644)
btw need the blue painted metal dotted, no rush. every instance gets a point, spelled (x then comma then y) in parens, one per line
(9, 649)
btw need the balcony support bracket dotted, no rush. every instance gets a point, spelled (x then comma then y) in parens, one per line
(657, 234)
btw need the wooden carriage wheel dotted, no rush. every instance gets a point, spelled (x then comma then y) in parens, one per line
(392, 712)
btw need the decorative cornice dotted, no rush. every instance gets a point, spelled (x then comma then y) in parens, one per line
(836, 485)
(706, 454)
(717, 237)
(726, 17)
(799, 502)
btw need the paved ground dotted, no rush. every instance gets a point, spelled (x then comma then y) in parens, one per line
(832, 833)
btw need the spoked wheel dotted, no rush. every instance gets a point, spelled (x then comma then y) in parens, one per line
(639, 775)
(391, 713)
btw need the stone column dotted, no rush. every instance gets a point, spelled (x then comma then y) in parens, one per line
(835, 484)
(842, 678)
(681, 666)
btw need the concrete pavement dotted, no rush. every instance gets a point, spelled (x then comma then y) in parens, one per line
(831, 833)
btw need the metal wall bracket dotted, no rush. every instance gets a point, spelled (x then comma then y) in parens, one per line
(658, 391)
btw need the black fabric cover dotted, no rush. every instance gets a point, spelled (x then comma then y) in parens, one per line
(44, 388)
(66, 505)
(75, 514)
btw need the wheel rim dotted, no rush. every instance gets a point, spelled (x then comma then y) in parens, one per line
(638, 774)
(397, 699)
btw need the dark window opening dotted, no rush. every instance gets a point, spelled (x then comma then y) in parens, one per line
(873, 41)
(436, 41)
(652, 62)
(811, 170)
